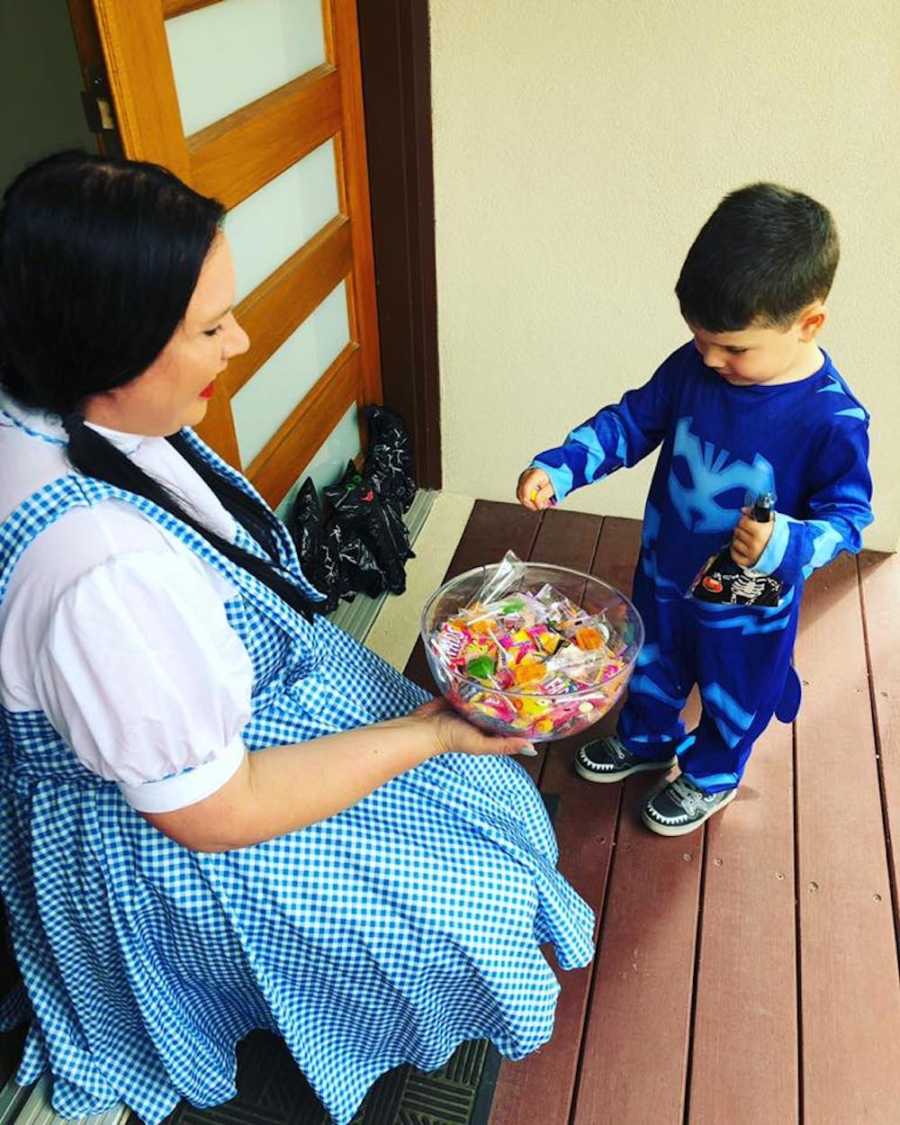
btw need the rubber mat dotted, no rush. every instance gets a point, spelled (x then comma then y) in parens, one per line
(272, 1091)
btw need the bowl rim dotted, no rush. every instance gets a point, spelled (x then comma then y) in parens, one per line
(582, 692)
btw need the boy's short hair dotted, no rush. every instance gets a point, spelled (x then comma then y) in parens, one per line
(765, 253)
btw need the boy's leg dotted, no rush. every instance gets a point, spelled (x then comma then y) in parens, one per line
(650, 729)
(650, 724)
(743, 671)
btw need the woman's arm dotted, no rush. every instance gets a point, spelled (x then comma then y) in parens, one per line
(284, 788)
(147, 682)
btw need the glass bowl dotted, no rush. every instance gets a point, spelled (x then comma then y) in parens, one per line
(540, 716)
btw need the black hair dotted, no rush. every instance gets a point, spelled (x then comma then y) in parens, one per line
(764, 254)
(99, 259)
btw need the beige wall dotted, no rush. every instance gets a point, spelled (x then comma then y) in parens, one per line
(580, 144)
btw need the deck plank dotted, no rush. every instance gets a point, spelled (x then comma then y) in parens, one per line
(746, 979)
(881, 599)
(737, 1057)
(638, 1031)
(850, 1003)
(636, 1046)
(540, 1087)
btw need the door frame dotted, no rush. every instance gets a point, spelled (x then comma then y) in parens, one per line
(395, 52)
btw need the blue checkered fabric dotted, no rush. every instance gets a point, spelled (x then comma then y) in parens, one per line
(387, 934)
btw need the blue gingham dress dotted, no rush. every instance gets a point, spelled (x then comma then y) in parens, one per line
(386, 934)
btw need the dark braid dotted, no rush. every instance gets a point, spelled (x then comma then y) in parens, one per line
(90, 453)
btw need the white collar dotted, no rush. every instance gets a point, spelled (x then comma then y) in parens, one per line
(45, 424)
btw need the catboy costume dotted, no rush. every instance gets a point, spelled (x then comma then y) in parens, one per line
(806, 442)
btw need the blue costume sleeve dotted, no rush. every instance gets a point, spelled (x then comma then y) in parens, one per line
(839, 509)
(617, 435)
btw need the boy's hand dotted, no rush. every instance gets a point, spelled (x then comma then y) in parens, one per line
(534, 490)
(750, 539)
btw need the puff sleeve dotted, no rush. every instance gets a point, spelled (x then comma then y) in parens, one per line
(143, 676)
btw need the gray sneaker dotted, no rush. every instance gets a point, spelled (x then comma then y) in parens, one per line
(606, 759)
(680, 807)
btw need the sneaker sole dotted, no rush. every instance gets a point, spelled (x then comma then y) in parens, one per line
(620, 775)
(684, 829)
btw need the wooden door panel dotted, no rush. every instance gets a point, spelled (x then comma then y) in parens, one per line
(231, 159)
(342, 47)
(181, 7)
(142, 84)
(309, 424)
(234, 157)
(277, 307)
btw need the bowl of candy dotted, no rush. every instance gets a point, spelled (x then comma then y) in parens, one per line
(531, 649)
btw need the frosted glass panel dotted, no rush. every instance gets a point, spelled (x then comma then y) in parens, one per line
(263, 403)
(341, 446)
(279, 218)
(231, 53)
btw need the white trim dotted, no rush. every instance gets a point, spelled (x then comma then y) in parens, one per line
(396, 629)
(189, 787)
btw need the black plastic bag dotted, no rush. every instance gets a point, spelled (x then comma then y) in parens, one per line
(356, 540)
(397, 530)
(317, 551)
(334, 558)
(357, 509)
(389, 468)
(389, 460)
(358, 569)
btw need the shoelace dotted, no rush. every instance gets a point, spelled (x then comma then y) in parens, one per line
(618, 749)
(689, 798)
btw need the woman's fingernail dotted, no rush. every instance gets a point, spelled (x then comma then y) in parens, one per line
(528, 751)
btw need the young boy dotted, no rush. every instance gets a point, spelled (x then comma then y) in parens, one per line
(752, 405)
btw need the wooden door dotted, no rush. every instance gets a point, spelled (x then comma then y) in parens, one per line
(150, 49)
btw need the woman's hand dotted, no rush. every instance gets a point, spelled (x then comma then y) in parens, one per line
(454, 734)
(534, 490)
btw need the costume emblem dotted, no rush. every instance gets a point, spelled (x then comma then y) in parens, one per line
(708, 486)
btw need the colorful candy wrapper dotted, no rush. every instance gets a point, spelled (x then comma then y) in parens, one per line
(510, 570)
(549, 654)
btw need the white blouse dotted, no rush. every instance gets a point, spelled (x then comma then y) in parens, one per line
(117, 631)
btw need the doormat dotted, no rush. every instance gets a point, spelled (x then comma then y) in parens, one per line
(272, 1091)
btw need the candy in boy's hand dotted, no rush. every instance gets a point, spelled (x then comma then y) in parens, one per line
(535, 490)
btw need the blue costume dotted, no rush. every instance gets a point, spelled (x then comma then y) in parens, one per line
(388, 933)
(806, 442)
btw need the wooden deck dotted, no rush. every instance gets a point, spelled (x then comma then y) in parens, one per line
(747, 974)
